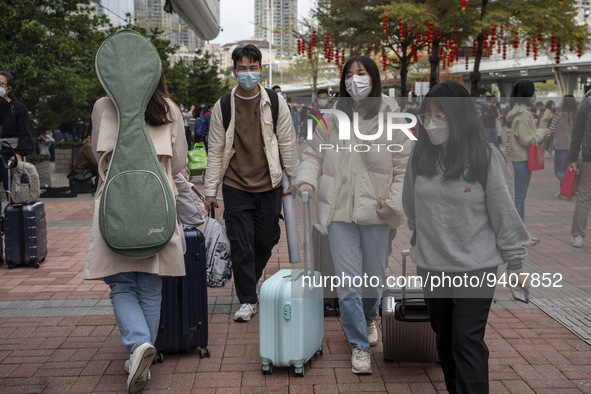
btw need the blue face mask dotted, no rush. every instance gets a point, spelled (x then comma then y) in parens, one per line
(248, 79)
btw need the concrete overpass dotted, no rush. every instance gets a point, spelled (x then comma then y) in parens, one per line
(570, 75)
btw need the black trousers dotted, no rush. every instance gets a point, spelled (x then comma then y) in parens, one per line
(252, 226)
(458, 317)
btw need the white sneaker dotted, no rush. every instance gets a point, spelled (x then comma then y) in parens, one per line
(372, 334)
(576, 242)
(126, 368)
(246, 312)
(139, 366)
(360, 361)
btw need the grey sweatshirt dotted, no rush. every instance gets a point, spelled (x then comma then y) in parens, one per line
(461, 227)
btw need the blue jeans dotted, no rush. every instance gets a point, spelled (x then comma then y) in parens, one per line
(522, 177)
(136, 298)
(357, 250)
(561, 163)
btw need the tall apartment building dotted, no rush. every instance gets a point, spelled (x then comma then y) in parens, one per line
(284, 16)
(150, 14)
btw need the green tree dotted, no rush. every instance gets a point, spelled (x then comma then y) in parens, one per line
(49, 47)
(541, 25)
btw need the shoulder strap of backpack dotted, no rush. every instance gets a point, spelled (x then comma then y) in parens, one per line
(274, 97)
(226, 105)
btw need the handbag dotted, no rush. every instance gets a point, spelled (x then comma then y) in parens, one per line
(569, 183)
(535, 157)
(80, 175)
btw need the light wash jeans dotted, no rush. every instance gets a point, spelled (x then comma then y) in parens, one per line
(561, 163)
(136, 298)
(357, 250)
(522, 177)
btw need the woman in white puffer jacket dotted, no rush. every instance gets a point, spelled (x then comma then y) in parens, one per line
(357, 183)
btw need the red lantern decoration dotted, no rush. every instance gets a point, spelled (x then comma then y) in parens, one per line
(527, 48)
(558, 48)
(467, 62)
(504, 51)
(515, 39)
(464, 4)
(414, 53)
(401, 29)
(309, 50)
(385, 22)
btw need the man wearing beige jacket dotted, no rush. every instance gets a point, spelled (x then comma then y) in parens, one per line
(247, 154)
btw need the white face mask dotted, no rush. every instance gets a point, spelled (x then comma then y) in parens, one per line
(323, 102)
(2, 92)
(358, 86)
(437, 134)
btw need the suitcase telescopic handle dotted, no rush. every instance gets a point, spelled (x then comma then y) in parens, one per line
(405, 253)
(307, 233)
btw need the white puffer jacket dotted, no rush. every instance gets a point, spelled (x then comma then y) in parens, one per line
(380, 175)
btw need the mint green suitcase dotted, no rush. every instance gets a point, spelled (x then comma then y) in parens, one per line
(291, 320)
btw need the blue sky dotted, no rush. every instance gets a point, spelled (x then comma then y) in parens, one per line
(237, 16)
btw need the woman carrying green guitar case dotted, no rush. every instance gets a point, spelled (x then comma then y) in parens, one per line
(134, 238)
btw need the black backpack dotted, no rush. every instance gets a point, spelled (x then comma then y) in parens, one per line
(227, 110)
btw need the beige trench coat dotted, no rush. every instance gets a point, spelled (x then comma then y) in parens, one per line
(171, 146)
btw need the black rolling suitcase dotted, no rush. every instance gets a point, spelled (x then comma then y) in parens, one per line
(25, 234)
(407, 335)
(184, 315)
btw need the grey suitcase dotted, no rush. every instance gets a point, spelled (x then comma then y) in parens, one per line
(407, 335)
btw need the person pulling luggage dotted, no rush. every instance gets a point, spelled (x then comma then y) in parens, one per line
(135, 283)
(458, 197)
(359, 200)
(247, 155)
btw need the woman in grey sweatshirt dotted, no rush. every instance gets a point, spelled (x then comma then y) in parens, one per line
(458, 197)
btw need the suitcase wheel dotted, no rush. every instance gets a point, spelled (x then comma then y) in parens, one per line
(321, 350)
(36, 264)
(267, 369)
(159, 358)
(204, 352)
(10, 265)
(299, 371)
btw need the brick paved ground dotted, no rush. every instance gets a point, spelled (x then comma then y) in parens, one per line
(59, 335)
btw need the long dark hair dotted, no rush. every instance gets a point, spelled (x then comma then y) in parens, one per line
(467, 151)
(158, 111)
(522, 92)
(376, 89)
(569, 105)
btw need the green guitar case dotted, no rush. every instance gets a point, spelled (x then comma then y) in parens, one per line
(137, 215)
